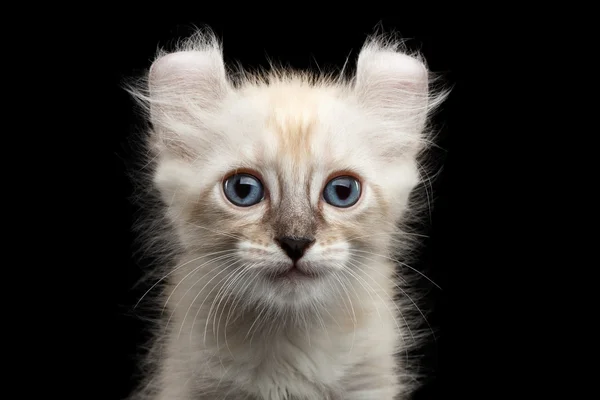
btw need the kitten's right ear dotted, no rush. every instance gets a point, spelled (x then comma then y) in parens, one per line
(200, 74)
(185, 88)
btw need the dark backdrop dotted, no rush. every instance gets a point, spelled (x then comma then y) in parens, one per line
(449, 40)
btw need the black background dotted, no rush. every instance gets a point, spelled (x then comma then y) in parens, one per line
(453, 44)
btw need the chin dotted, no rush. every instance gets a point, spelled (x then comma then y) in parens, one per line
(292, 288)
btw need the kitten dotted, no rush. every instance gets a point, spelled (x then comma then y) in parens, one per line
(283, 194)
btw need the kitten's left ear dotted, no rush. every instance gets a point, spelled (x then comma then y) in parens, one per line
(393, 85)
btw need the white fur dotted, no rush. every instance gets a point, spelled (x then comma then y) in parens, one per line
(228, 331)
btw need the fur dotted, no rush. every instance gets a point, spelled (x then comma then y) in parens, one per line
(227, 330)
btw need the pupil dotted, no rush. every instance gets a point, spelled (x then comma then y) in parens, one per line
(242, 190)
(343, 192)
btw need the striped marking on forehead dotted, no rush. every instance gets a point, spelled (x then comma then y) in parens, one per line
(293, 130)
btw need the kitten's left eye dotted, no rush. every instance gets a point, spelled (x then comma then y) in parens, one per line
(243, 190)
(343, 191)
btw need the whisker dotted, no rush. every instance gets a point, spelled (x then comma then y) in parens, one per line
(192, 286)
(348, 309)
(224, 279)
(396, 261)
(354, 321)
(198, 294)
(218, 298)
(359, 279)
(175, 269)
(193, 271)
(238, 237)
(348, 271)
(227, 287)
(407, 296)
(315, 305)
(231, 310)
(354, 238)
(428, 179)
(263, 309)
(239, 298)
(388, 296)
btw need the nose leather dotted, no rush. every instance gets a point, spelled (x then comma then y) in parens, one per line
(294, 247)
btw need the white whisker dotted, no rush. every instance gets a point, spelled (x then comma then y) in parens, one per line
(407, 296)
(193, 271)
(396, 261)
(175, 269)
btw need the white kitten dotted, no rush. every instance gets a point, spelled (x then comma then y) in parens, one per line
(284, 194)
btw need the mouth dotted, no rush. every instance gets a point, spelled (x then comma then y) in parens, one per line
(294, 273)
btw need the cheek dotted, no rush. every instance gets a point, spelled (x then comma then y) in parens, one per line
(207, 220)
(249, 224)
(258, 234)
(331, 245)
(365, 228)
(341, 234)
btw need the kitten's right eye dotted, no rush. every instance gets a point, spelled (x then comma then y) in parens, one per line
(243, 190)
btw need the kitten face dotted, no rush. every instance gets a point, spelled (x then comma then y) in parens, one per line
(294, 180)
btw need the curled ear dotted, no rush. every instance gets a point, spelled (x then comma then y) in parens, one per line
(393, 84)
(185, 88)
(184, 76)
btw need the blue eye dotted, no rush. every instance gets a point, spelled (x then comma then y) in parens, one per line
(243, 190)
(343, 191)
